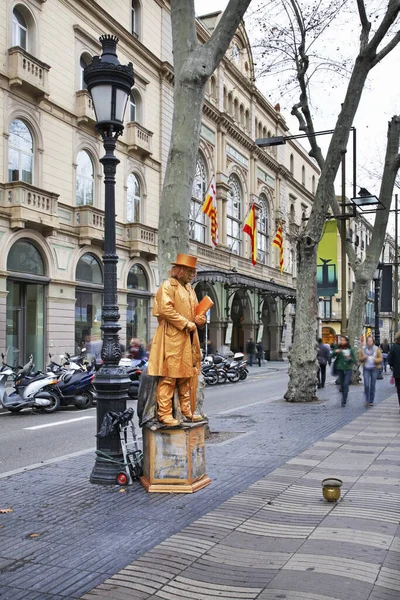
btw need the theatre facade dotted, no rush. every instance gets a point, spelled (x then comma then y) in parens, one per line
(52, 188)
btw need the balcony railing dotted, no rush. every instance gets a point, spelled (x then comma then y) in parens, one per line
(139, 139)
(84, 107)
(27, 205)
(90, 223)
(142, 240)
(26, 71)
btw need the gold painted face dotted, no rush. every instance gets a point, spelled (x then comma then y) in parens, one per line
(189, 275)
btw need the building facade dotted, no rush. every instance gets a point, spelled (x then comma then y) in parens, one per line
(330, 308)
(52, 191)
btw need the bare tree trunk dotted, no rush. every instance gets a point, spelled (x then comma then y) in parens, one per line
(173, 230)
(302, 357)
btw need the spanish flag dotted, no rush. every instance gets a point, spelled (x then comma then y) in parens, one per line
(278, 242)
(250, 227)
(210, 209)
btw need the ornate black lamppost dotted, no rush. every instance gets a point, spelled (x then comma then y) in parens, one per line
(109, 84)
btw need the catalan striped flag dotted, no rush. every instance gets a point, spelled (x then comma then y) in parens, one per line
(250, 227)
(278, 242)
(210, 209)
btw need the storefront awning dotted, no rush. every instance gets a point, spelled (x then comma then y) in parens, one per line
(234, 279)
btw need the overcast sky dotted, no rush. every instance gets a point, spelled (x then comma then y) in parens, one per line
(380, 101)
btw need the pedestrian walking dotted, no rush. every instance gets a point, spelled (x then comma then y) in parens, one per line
(370, 357)
(260, 353)
(344, 361)
(394, 362)
(385, 349)
(250, 347)
(323, 357)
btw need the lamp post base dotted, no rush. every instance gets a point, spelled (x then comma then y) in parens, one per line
(112, 384)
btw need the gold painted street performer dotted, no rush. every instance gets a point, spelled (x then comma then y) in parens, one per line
(175, 350)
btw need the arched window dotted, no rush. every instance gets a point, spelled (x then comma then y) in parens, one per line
(84, 179)
(259, 130)
(303, 175)
(137, 334)
(84, 61)
(133, 199)
(262, 230)
(236, 109)
(135, 107)
(230, 103)
(24, 257)
(313, 184)
(247, 117)
(19, 30)
(20, 152)
(234, 215)
(225, 99)
(213, 87)
(135, 18)
(292, 263)
(292, 214)
(264, 132)
(241, 114)
(291, 165)
(88, 270)
(88, 303)
(25, 308)
(197, 223)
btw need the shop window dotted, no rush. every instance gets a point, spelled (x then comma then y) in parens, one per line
(197, 223)
(84, 179)
(133, 199)
(20, 152)
(234, 215)
(137, 334)
(88, 304)
(25, 310)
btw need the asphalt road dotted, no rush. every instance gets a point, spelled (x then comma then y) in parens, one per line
(28, 439)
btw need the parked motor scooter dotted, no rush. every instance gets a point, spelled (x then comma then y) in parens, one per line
(73, 387)
(28, 386)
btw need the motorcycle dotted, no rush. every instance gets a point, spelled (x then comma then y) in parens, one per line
(230, 370)
(210, 373)
(73, 387)
(241, 364)
(28, 387)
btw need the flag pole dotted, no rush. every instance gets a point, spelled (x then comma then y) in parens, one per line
(241, 226)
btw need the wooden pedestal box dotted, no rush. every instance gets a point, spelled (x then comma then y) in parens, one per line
(174, 459)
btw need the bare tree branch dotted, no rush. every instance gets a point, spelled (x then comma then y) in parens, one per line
(389, 18)
(365, 24)
(388, 48)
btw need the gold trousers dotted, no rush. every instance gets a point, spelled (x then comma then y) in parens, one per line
(165, 395)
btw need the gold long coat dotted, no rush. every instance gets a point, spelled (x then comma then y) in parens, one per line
(175, 352)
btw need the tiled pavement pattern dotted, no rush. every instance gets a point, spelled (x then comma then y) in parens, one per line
(86, 533)
(279, 539)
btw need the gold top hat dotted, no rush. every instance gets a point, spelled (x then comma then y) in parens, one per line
(185, 260)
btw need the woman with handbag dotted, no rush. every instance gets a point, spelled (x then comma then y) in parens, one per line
(370, 357)
(344, 361)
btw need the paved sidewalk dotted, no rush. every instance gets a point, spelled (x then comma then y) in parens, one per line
(279, 539)
(65, 536)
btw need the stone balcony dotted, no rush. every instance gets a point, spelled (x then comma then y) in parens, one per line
(139, 139)
(28, 73)
(142, 240)
(89, 222)
(84, 107)
(28, 206)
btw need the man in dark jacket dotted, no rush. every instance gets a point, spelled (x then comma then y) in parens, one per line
(394, 362)
(323, 357)
(250, 347)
